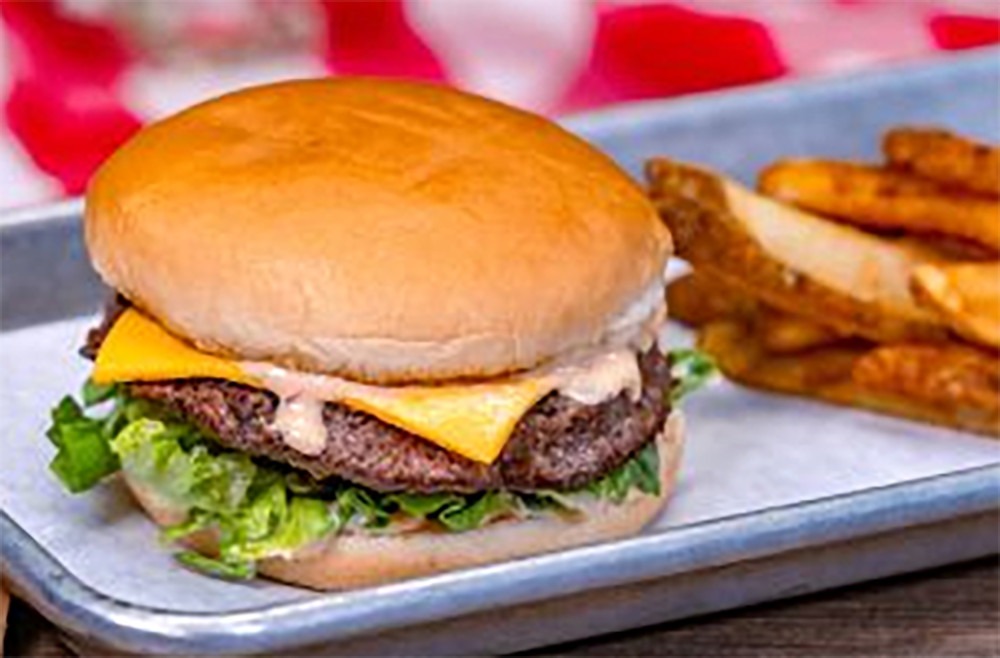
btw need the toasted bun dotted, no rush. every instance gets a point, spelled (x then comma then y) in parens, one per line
(383, 231)
(358, 560)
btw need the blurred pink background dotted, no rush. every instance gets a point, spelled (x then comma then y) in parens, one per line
(77, 77)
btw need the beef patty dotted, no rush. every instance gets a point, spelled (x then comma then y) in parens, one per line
(558, 444)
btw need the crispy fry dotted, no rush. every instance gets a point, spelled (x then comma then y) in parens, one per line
(697, 298)
(967, 295)
(946, 384)
(781, 333)
(945, 157)
(874, 197)
(796, 262)
(741, 356)
(949, 248)
(948, 376)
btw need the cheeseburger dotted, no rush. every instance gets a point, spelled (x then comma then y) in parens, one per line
(365, 330)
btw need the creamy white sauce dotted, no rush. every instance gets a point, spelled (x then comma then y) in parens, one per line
(589, 379)
(300, 421)
(598, 378)
(637, 325)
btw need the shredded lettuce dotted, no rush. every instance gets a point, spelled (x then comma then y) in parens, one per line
(691, 369)
(255, 512)
(261, 509)
(83, 456)
(642, 472)
(94, 394)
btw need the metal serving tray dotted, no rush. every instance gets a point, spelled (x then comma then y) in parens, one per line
(777, 496)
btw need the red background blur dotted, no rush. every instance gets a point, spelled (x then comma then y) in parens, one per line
(77, 77)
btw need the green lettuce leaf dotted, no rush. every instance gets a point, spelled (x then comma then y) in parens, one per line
(216, 567)
(642, 472)
(474, 511)
(691, 369)
(83, 456)
(357, 502)
(93, 394)
(253, 509)
(152, 452)
(283, 525)
(420, 506)
(563, 502)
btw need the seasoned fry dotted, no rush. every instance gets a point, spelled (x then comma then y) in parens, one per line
(945, 157)
(781, 333)
(948, 376)
(739, 354)
(697, 298)
(967, 295)
(946, 384)
(874, 197)
(949, 248)
(857, 283)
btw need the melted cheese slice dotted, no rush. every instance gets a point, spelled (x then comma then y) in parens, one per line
(138, 349)
(474, 421)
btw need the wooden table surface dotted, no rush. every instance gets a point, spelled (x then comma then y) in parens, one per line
(954, 611)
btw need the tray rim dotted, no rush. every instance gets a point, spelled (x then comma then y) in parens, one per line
(59, 594)
(979, 60)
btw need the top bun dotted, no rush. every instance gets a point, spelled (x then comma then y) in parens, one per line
(382, 231)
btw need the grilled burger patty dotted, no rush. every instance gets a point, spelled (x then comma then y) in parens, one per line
(558, 444)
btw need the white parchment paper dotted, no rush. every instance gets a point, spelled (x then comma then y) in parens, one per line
(746, 451)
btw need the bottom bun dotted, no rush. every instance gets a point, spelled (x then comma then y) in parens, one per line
(357, 560)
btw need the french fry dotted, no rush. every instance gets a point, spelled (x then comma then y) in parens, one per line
(949, 248)
(945, 157)
(799, 263)
(951, 376)
(945, 384)
(873, 197)
(966, 295)
(696, 299)
(781, 333)
(740, 355)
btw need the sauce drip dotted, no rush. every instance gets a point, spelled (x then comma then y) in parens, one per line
(300, 421)
(588, 379)
(599, 378)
